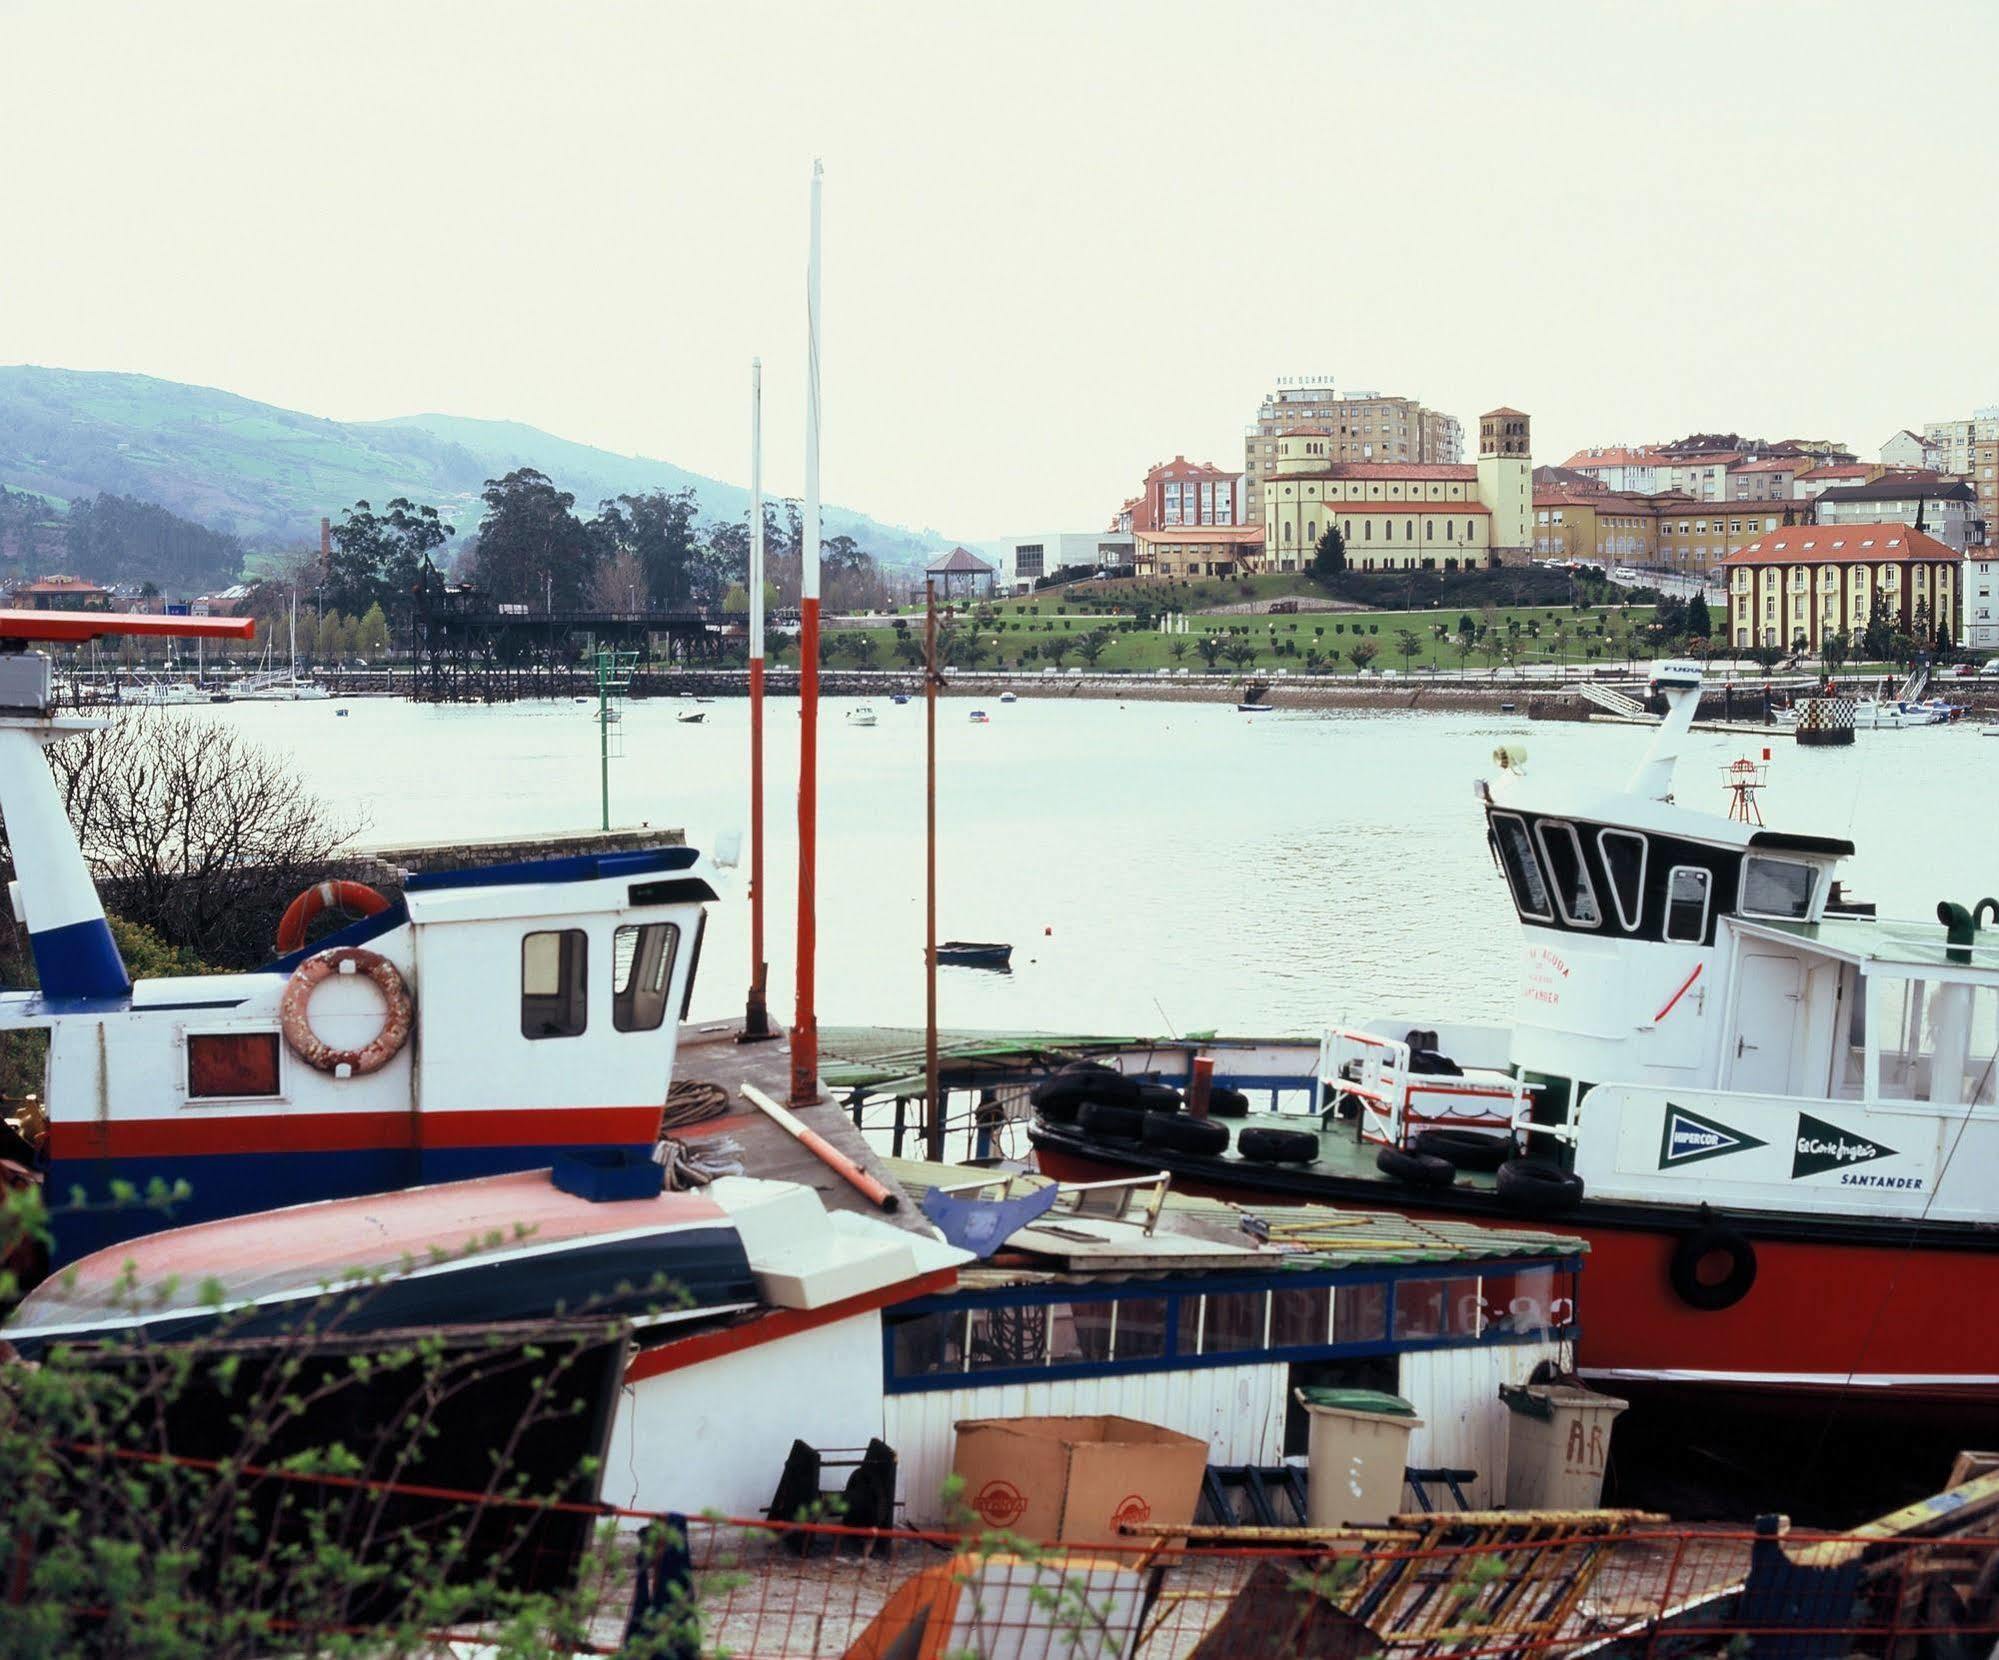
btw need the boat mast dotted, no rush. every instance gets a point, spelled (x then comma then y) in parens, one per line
(756, 1012)
(805, 1026)
(933, 1096)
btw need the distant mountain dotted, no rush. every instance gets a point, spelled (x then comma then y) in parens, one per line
(267, 474)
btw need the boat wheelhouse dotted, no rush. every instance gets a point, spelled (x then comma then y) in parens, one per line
(484, 1021)
(1774, 1117)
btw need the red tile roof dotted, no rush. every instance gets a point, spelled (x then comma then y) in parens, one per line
(1773, 464)
(1422, 471)
(1644, 456)
(1181, 467)
(1842, 545)
(1512, 414)
(1852, 470)
(958, 562)
(61, 585)
(1189, 534)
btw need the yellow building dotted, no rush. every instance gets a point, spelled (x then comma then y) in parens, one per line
(1196, 550)
(1393, 515)
(1807, 581)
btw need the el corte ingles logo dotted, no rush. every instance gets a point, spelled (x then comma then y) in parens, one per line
(1688, 1138)
(1822, 1146)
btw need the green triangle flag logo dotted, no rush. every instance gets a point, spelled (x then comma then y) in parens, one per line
(1821, 1147)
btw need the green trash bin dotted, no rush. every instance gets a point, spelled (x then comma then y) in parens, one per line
(1557, 1445)
(1358, 1450)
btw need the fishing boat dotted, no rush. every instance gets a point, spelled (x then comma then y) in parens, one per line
(1773, 1116)
(481, 1021)
(153, 693)
(974, 954)
(860, 715)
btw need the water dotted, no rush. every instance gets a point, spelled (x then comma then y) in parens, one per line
(1158, 867)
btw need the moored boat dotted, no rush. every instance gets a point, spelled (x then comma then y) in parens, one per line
(1773, 1117)
(974, 953)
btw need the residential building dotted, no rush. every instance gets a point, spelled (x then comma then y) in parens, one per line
(1182, 492)
(1670, 531)
(1197, 551)
(1980, 627)
(1621, 467)
(1024, 560)
(1984, 478)
(1955, 440)
(1397, 514)
(1768, 478)
(1699, 536)
(1715, 467)
(1359, 426)
(62, 593)
(1946, 508)
(1911, 451)
(1807, 485)
(1806, 581)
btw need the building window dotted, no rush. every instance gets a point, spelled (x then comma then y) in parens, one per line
(232, 1066)
(554, 983)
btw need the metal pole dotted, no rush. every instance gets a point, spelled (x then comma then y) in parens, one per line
(934, 1116)
(756, 1011)
(805, 1024)
(603, 743)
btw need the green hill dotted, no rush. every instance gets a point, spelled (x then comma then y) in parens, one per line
(268, 474)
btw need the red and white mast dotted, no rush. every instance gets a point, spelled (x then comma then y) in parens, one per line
(805, 1025)
(756, 1014)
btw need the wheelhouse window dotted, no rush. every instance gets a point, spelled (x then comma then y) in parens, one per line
(554, 983)
(1777, 888)
(641, 974)
(1523, 870)
(1624, 863)
(1568, 874)
(232, 1066)
(1686, 903)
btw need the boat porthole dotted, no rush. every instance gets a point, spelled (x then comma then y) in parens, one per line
(1712, 1268)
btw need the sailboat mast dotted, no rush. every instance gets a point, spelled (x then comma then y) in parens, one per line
(805, 1027)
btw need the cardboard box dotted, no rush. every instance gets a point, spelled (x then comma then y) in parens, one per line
(1075, 1480)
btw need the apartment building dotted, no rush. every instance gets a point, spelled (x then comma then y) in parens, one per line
(1357, 426)
(1802, 583)
(1179, 493)
(1946, 508)
(1670, 531)
(1956, 441)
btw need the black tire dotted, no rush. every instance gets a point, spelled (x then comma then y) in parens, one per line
(1094, 1084)
(1417, 1169)
(1942, 1614)
(1159, 1098)
(1112, 1123)
(1227, 1103)
(1536, 1188)
(1261, 1146)
(1059, 1112)
(1185, 1135)
(1694, 1249)
(1467, 1149)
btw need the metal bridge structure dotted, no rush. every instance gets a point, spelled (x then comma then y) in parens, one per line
(471, 650)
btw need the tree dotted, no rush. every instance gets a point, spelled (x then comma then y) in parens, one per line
(1361, 653)
(329, 641)
(1877, 640)
(1176, 647)
(533, 550)
(1695, 618)
(1834, 648)
(1210, 648)
(1944, 644)
(1408, 642)
(1241, 653)
(112, 538)
(371, 635)
(619, 584)
(381, 557)
(194, 831)
(1329, 558)
(1766, 656)
(1093, 643)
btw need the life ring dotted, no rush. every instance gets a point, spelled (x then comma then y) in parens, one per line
(355, 898)
(295, 1014)
(1694, 1249)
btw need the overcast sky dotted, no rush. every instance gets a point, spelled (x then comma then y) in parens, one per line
(1063, 240)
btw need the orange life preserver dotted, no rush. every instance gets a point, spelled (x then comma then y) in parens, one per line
(356, 898)
(295, 1016)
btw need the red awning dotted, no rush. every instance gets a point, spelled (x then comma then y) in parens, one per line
(70, 627)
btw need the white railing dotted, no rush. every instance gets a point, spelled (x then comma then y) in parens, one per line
(1397, 1102)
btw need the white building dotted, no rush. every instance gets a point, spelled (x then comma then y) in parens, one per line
(1946, 509)
(1953, 439)
(1911, 450)
(1980, 630)
(1024, 559)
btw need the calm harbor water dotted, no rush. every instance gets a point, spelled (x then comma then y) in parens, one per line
(1157, 867)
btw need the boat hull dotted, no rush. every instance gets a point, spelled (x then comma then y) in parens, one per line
(1838, 1307)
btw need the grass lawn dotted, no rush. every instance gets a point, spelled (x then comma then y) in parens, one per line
(1034, 638)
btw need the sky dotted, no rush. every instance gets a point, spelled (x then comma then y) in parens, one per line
(1062, 241)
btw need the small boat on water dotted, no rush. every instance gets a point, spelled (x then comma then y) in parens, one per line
(900, 697)
(861, 715)
(981, 718)
(974, 954)
(1009, 697)
(1253, 708)
(690, 717)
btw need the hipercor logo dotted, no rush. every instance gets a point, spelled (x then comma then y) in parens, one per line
(1688, 1138)
(1821, 1146)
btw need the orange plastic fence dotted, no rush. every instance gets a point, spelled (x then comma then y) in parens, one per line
(1567, 1588)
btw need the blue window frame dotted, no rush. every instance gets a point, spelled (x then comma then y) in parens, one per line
(1020, 1334)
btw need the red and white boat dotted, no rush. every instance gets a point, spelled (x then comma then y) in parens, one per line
(1774, 1117)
